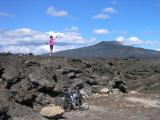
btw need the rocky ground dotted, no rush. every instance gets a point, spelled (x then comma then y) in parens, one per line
(28, 83)
(118, 107)
(112, 107)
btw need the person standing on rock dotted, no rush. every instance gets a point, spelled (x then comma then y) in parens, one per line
(51, 43)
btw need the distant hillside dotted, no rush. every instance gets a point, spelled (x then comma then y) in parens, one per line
(108, 49)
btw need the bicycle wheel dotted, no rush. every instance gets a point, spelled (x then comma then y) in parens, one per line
(84, 102)
(63, 101)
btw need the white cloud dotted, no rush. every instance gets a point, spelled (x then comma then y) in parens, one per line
(26, 40)
(148, 42)
(104, 13)
(22, 36)
(101, 31)
(158, 49)
(101, 16)
(109, 10)
(120, 39)
(53, 12)
(5, 14)
(129, 40)
(135, 41)
(153, 43)
(27, 49)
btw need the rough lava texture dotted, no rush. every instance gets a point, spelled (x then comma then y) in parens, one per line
(28, 83)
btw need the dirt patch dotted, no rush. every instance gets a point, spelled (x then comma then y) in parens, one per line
(115, 107)
(145, 102)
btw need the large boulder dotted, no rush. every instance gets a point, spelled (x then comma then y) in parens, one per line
(91, 81)
(99, 89)
(35, 78)
(29, 63)
(116, 91)
(44, 79)
(72, 75)
(26, 85)
(4, 110)
(1, 71)
(104, 91)
(11, 74)
(52, 111)
(67, 70)
(102, 80)
(43, 99)
(5, 96)
(16, 109)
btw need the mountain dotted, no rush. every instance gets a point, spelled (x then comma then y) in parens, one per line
(108, 49)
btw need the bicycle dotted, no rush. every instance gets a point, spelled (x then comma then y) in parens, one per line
(73, 99)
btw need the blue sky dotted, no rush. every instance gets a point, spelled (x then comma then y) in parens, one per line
(25, 25)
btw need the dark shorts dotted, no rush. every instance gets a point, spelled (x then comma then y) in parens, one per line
(51, 47)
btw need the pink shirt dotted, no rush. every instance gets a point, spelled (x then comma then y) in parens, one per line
(51, 42)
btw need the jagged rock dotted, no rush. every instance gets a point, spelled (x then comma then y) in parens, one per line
(26, 84)
(97, 88)
(105, 78)
(67, 70)
(117, 82)
(91, 81)
(104, 91)
(43, 99)
(41, 81)
(5, 94)
(11, 75)
(78, 75)
(76, 60)
(25, 98)
(102, 80)
(133, 92)
(16, 88)
(16, 109)
(71, 75)
(116, 91)
(29, 63)
(87, 88)
(4, 107)
(93, 76)
(87, 64)
(1, 71)
(52, 111)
